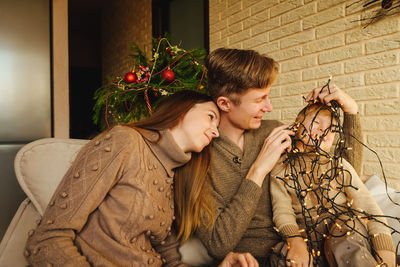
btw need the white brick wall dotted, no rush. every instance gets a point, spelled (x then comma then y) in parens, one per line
(312, 39)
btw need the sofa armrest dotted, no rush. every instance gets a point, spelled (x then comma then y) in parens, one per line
(13, 244)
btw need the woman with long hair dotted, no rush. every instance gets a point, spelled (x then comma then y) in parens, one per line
(115, 205)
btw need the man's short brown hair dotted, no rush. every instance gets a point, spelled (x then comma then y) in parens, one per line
(231, 72)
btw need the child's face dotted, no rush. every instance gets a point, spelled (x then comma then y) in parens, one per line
(318, 126)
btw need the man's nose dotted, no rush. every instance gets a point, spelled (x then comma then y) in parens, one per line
(267, 106)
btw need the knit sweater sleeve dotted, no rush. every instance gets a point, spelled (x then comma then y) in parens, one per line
(363, 201)
(352, 131)
(95, 170)
(232, 219)
(283, 214)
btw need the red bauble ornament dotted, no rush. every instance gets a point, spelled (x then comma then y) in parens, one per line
(168, 75)
(130, 77)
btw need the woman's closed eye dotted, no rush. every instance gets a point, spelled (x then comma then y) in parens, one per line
(213, 116)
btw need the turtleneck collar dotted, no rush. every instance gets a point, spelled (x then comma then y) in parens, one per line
(166, 150)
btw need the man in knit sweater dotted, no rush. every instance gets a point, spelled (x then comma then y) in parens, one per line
(248, 148)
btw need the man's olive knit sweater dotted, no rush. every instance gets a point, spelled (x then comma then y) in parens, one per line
(243, 209)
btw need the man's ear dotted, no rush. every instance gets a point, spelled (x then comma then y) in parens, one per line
(224, 103)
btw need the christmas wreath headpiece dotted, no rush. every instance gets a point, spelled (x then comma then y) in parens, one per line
(133, 96)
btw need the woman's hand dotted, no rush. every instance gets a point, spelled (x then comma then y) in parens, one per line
(274, 145)
(239, 260)
(388, 257)
(347, 103)
(297, 255)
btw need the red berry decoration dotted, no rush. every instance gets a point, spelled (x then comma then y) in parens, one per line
(130, 77)
(168, 50)
(168, 75)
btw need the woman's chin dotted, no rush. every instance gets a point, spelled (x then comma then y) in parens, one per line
(199, 148)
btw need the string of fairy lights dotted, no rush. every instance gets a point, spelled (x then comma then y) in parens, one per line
(318, 175)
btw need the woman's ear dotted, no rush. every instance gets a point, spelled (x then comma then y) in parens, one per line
(224, 103)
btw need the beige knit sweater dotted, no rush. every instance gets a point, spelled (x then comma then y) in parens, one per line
(243, 209)
(287, 208)
(114, 206)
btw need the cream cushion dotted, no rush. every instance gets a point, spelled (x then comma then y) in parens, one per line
(40, 166)
(378, 191)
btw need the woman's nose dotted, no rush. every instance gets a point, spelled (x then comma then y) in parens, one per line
(215, 132)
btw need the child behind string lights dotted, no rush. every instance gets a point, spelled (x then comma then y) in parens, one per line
(319, 201)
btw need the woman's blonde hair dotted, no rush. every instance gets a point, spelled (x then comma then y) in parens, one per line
(193, 203)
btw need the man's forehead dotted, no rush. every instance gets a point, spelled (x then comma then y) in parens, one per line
(256, 92)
